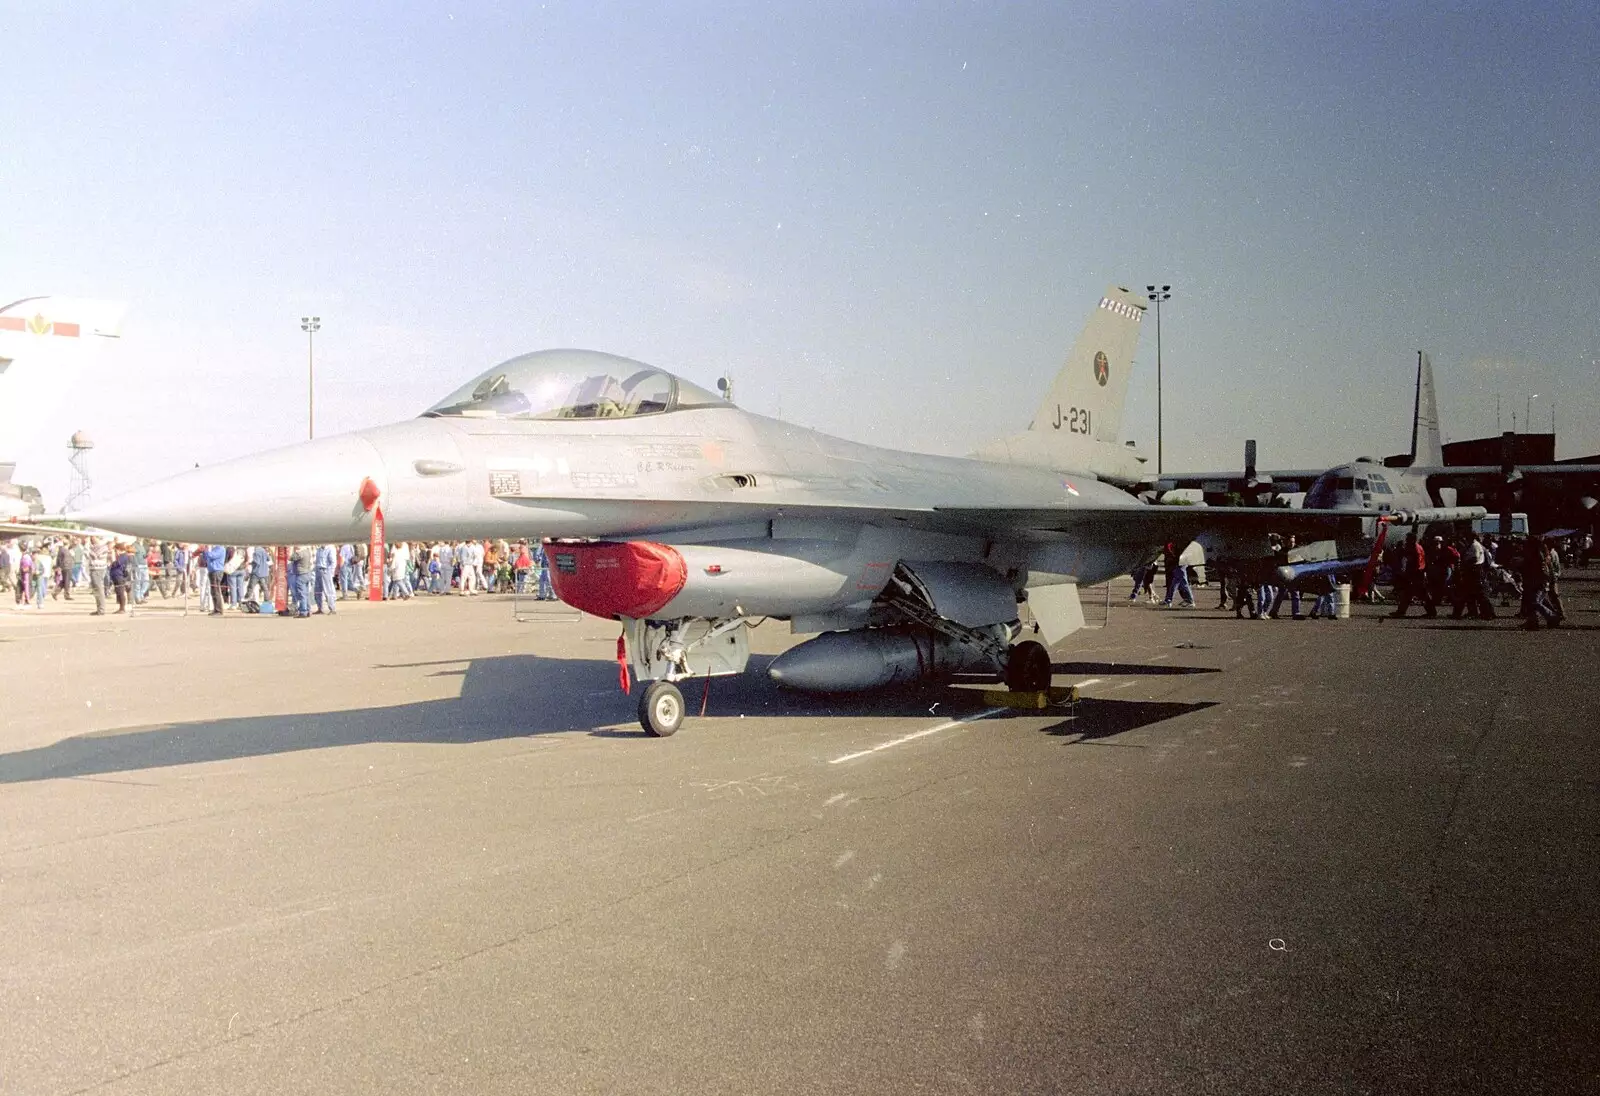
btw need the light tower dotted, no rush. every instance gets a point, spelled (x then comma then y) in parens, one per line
(1157, 294)
(78, 487)
(311, 325)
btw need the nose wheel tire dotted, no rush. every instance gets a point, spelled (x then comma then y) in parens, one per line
(661, 709)
(1028, 667)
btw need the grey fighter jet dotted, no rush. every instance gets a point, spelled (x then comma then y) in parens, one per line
(685, 518)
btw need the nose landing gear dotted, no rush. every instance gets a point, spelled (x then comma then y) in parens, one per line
(662, 652)
(661, 709)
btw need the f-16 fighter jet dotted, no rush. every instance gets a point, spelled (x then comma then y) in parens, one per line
(685, 518)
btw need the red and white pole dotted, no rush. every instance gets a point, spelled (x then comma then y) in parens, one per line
(375, 557)
(280, 580)
(369, 500)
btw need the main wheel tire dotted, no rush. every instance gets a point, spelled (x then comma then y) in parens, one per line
(1028, 667)
(661, 709)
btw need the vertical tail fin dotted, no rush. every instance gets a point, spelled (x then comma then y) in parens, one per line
(1427, 451)
(42, 344)
(1078, 425)
(1094, 379)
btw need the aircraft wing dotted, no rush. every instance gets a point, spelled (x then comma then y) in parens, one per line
(25, 529)
(1467, 470)
(1136, 521)
(1302, 478)
(1217, 483)
(1159, 523)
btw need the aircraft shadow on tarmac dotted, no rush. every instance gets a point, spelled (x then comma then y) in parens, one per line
(515, 696)
(1094, 718)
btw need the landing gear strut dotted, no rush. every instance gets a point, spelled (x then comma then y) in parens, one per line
(661, 709)
(1028, 667)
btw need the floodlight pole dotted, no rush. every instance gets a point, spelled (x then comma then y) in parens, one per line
(311, 325)
(1158, 294)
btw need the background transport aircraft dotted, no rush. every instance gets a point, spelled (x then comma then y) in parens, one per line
(1426, 460)
(43, 344)
(1402, 493)
(687, 518)
(1418, 494)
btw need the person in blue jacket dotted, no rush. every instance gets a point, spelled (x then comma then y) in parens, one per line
(327, 561)
(302, 570)
(121, 576)
(541, 560)
(260, 585)
(216, 561)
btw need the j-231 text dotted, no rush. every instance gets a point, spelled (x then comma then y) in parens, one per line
(1075, 419)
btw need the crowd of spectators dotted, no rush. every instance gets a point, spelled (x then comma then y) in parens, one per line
(1466, 573)
(1471, 572)
(243, 578)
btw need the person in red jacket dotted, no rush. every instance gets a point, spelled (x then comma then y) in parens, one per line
(521, 565)
(1412, 580)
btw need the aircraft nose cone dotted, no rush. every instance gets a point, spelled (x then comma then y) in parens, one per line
(307, 493)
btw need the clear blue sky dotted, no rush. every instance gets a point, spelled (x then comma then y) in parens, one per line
(887, 220)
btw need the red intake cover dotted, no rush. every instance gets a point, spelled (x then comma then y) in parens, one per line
(616, 579)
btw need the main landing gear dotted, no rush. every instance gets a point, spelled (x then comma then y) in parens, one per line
(1028, 667)
(661, 709)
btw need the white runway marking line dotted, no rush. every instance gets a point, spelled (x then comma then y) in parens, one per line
(914, 735)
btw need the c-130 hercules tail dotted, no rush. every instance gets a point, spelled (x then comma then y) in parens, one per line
(686, 518)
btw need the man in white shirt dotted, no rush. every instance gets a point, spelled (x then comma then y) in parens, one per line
(399, 563)
(1472, 584)
(471, 567)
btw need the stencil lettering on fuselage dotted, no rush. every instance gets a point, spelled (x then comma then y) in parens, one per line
(667, 457)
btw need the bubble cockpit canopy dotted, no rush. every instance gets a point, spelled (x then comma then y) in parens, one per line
(571, 384)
